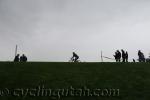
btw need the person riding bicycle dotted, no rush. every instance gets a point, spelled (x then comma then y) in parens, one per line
(75, 57)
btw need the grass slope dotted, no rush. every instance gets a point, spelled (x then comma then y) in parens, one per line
(133, 79)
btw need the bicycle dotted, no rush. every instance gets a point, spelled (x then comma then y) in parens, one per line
(73, 60)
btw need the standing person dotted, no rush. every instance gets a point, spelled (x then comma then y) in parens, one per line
(75, 57)
(23, 58)
(17, 59)
(141, 56)
(116, 56)
(126, 57)
(119, 55)
(123, 55)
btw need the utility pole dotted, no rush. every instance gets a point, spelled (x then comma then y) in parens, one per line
(16, 49)
(101, 56)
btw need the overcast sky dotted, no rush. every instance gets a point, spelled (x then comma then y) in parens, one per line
(50, 30)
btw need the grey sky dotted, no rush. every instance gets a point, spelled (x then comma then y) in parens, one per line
(50, 30)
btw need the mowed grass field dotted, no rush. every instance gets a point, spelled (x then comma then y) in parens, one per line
(132, 79)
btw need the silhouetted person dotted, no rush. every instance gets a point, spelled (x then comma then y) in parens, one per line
(117, 56)
(75, 57)
(17, 59)
(141, 56)
(126, 56)
(23, 58)
(123, 55)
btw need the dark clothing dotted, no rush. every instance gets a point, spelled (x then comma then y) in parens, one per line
(23, 58)
(75, 57)
(123, 56)
(117, 56)
(17, 59)
(126, 57)
(141, 56)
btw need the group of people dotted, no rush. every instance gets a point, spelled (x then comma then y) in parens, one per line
(19, 58)
(121, 56)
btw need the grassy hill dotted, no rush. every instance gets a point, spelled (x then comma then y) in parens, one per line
(21, 81)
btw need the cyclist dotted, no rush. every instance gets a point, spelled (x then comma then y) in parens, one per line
(75, 57)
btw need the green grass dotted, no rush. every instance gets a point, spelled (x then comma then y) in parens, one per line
(132, 79)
